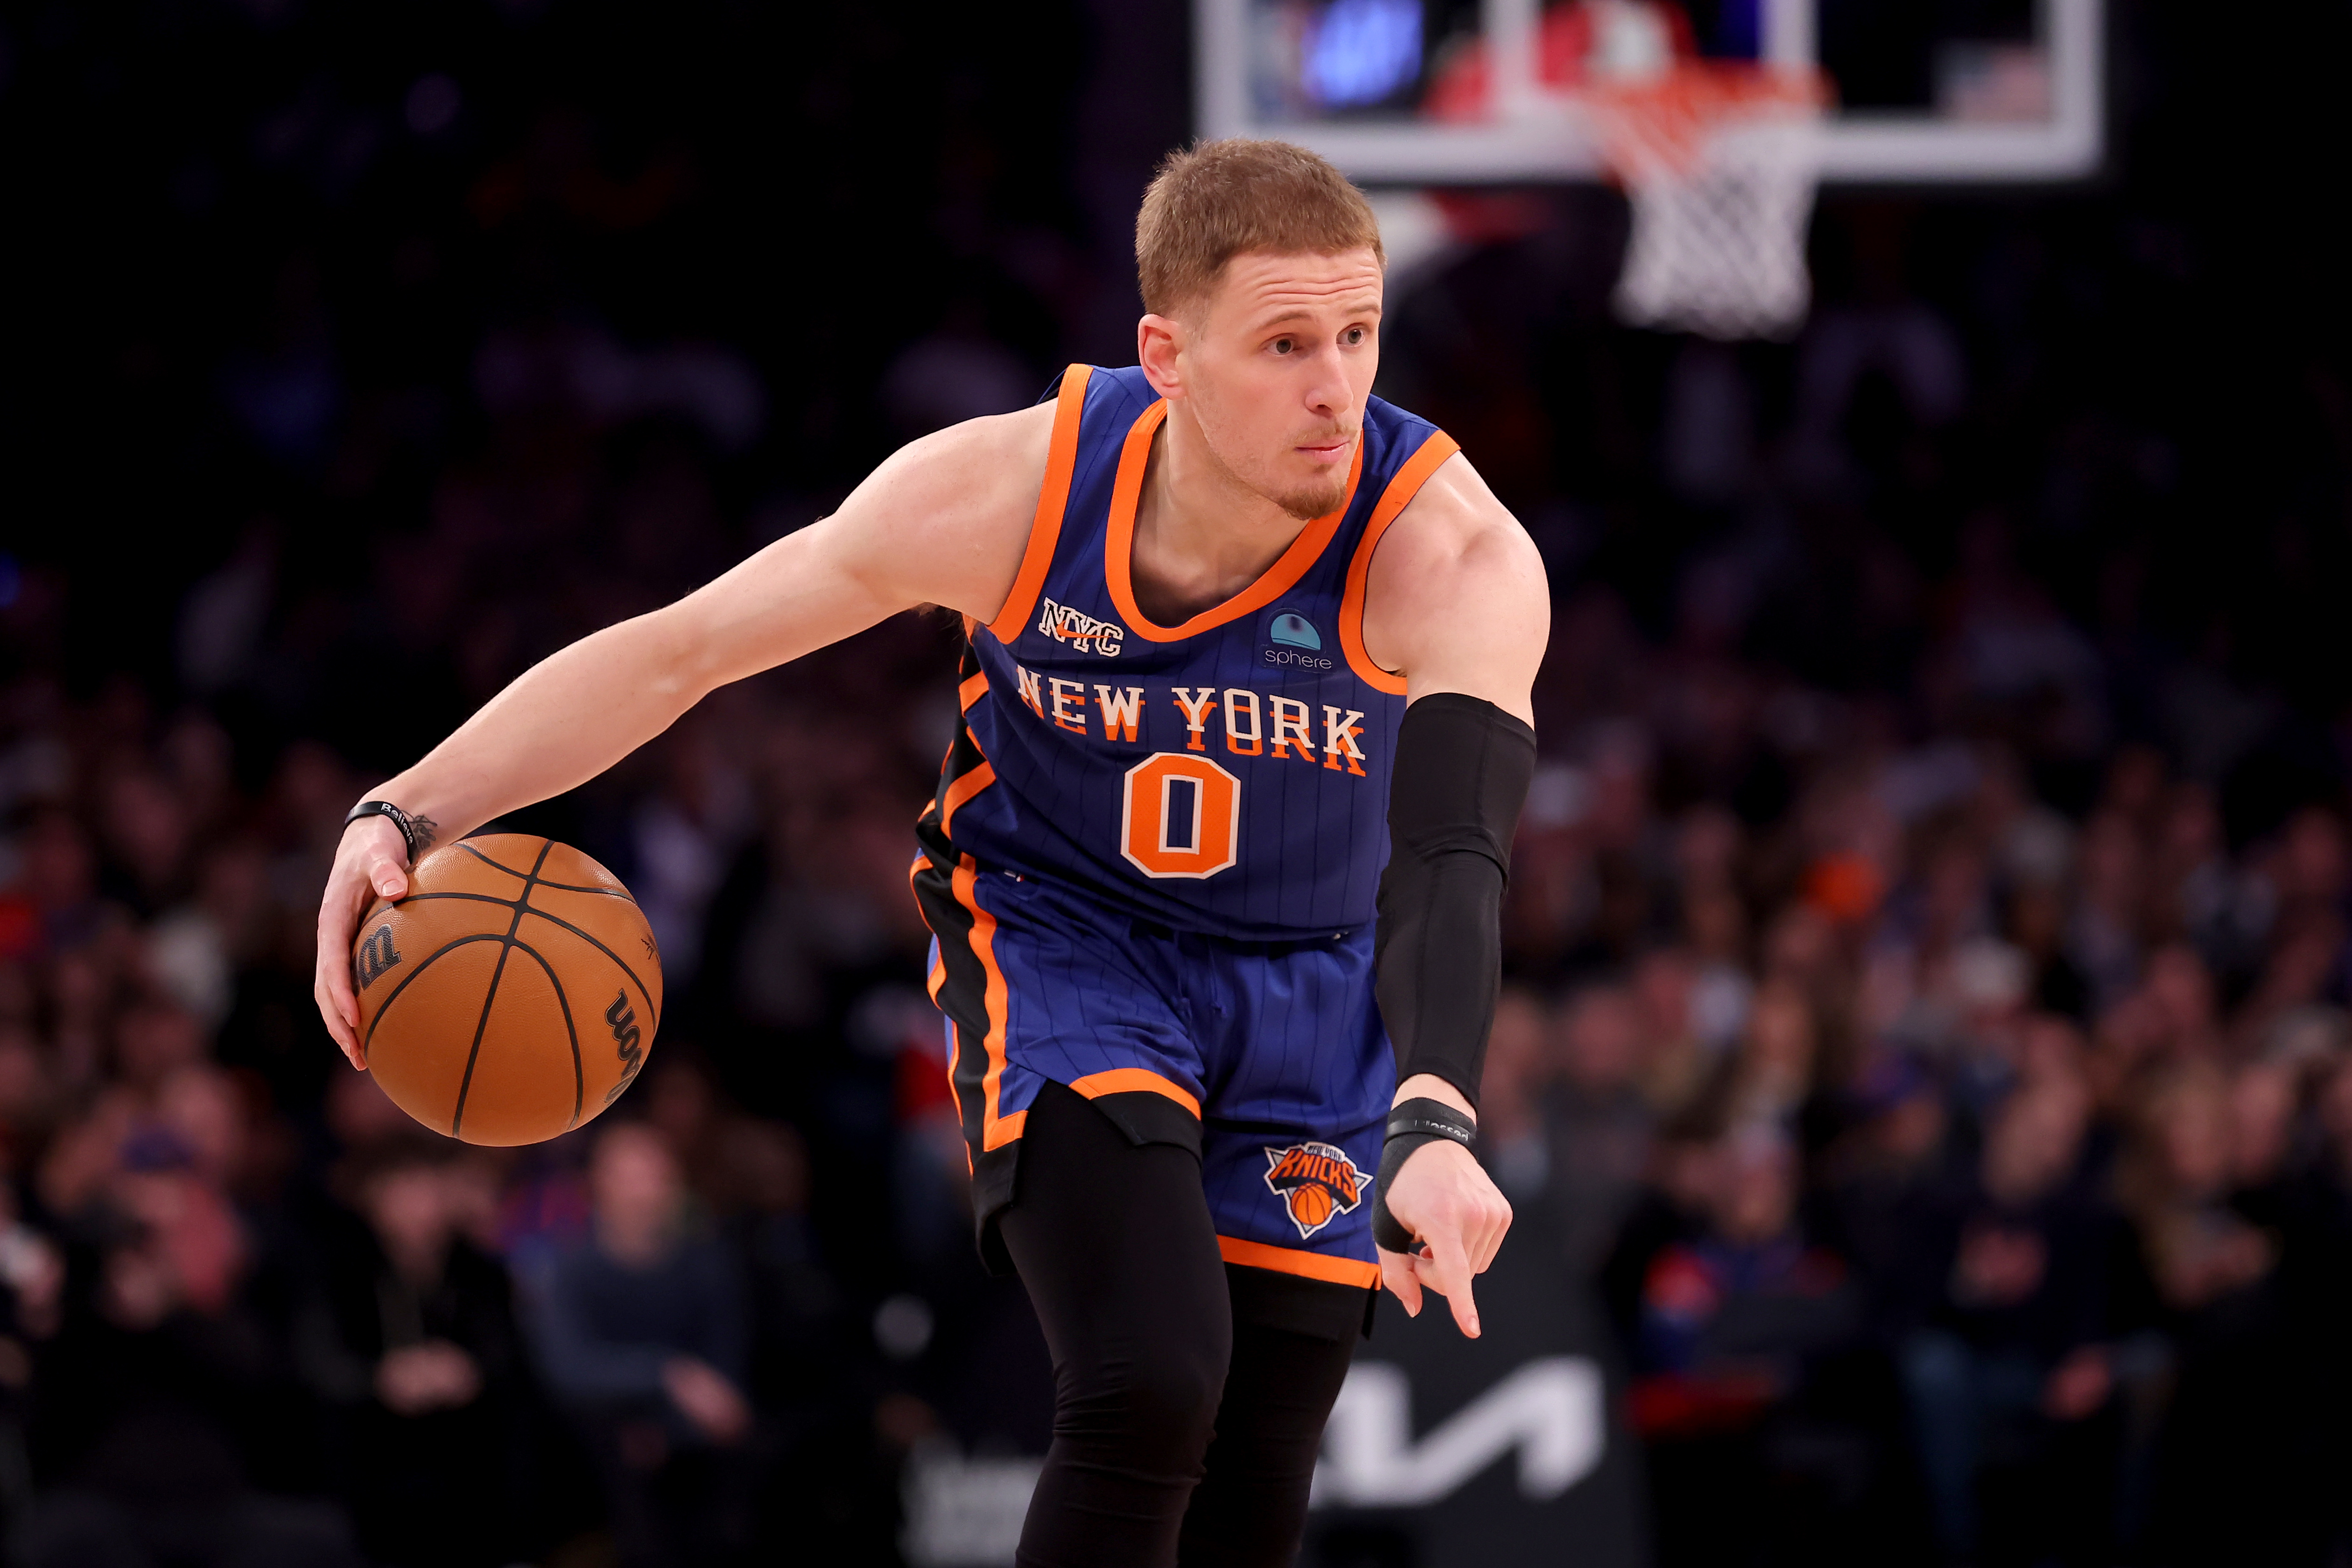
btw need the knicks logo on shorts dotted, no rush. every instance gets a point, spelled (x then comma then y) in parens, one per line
(1315, 1182)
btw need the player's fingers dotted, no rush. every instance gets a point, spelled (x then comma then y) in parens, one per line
(333, 1011)
(339, 1007)
(388, 878)
(1465, 1309)
(1446, 1270)
(332, 971)
(1397, 1274)
(332, 974)
(1494, 1224)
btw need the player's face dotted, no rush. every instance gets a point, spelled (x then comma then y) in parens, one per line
(1276, 365)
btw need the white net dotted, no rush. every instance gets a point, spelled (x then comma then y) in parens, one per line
(1721, 198)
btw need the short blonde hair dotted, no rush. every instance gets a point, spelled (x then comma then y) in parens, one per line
(1217, 200)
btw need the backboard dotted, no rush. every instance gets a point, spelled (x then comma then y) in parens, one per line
(1468, 91)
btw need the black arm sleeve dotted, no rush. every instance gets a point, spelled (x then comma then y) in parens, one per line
(1462, 766)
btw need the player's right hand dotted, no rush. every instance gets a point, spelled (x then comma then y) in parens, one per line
(370, 863)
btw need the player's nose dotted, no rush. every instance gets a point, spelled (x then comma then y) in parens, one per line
(1329, 398)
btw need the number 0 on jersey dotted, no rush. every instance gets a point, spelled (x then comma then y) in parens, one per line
(1181, 817)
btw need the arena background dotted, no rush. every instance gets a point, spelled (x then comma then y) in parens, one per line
(1923, 1074)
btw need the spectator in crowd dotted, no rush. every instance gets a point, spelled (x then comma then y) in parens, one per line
(1734, 1323)
(1601, 1123)
(751, 1174)
(2008, 1272)
(640, 1330)
(2225, 1470)
(408, 1341)
(163, 1397)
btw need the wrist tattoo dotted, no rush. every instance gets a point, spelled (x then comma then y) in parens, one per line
(416, 833)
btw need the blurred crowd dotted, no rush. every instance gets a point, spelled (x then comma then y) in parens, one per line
(253, 1314)
(1928, 959)
(1956, 1172)
(1963, 1181)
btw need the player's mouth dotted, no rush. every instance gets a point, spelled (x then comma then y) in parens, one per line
(1332, 451)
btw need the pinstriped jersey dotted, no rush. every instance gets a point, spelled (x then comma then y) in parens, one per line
(1228, 775)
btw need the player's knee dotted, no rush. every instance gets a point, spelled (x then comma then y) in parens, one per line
(1157, 1402)
(1178, 1388)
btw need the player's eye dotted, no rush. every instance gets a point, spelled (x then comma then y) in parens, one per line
(1353, 337)
(1284, 345)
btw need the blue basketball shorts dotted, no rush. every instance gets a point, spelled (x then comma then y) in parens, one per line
(1266, 1059)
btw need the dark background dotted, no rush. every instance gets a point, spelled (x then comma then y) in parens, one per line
(1946, 719)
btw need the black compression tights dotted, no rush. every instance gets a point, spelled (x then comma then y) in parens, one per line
(1181, 1434)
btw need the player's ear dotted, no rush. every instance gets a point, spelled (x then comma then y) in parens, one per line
(1158, 342)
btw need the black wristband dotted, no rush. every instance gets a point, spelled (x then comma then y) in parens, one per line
(1411, 1125)
(400, 819)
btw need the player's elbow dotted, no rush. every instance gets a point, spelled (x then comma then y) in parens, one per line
(1498, 586)
(679, 656)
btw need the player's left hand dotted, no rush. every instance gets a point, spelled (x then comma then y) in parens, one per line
(1445, 1196)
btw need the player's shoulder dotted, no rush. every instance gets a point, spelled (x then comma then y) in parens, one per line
(1456, 596)
(1453, 535)
(979, 474)
(993, 446)
(1007, 454)
(945, 519)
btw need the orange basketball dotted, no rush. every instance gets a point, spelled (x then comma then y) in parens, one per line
(1310, 1204)
(511, 995)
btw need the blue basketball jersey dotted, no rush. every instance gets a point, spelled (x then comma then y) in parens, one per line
(1226, 776)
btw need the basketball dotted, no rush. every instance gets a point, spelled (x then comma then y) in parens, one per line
(1311, 1205)
(511, 995)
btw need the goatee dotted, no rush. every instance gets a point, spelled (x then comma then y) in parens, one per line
(1308, 505)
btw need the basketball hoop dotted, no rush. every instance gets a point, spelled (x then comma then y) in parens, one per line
(1719, 162)
(1719, 158)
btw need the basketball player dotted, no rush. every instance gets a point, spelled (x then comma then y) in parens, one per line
(1238, 635)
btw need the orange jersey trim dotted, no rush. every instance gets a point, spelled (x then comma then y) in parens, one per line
(1406, 485)
(965, 786)
(1131, 1080)
(972, 690)
(1119, 543)
(995, 1131)
(1053, 501)
(939, 966)
(1294, 1260)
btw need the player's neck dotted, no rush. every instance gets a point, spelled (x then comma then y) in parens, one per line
(1201, 536)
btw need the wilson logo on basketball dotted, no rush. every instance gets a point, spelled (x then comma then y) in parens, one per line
(375, 955)
(1315, 1182)
(624, 1020)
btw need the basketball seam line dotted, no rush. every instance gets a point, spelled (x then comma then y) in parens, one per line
(559, 886)
(394, 996)
(493, 864)
(554, 919)
(579, 1078)
(557, 921)
(619, 963)
(579, 1094)
(531, 880)
(490, 997)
